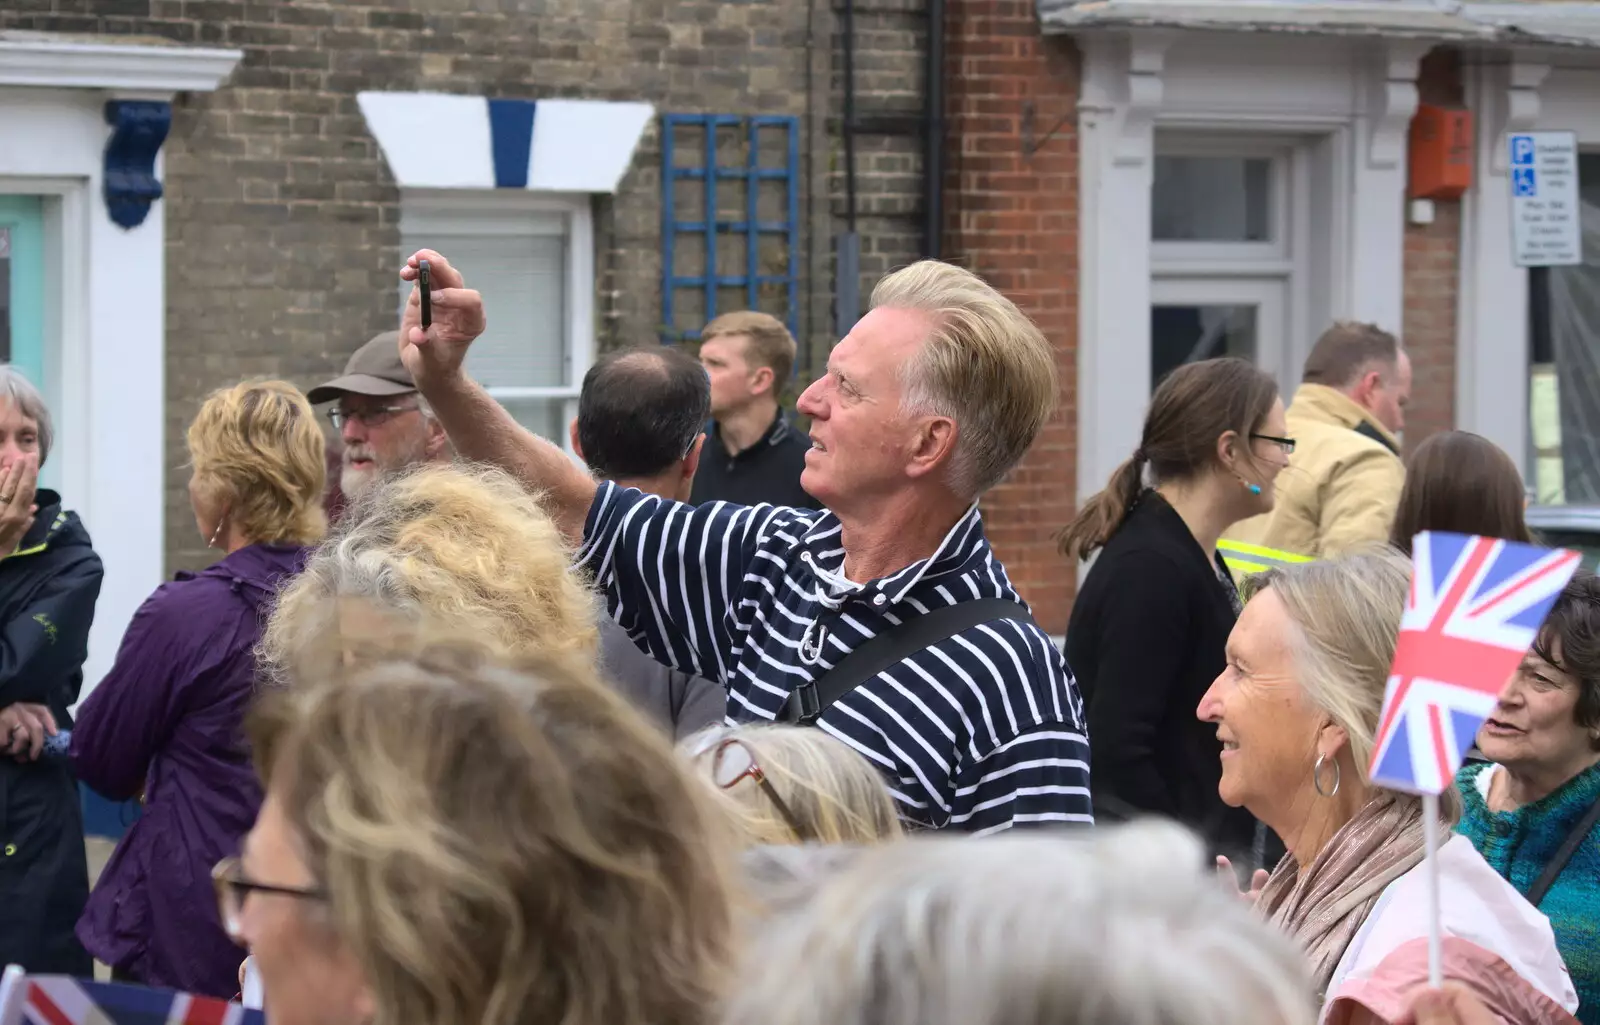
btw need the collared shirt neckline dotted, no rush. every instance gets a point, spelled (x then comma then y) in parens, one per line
(776, 431)
(962, 544)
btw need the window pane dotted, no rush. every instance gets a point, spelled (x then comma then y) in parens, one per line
(1564, 364)
(1186, 334)
(544, 417)
(1211, 199)
(523, 282)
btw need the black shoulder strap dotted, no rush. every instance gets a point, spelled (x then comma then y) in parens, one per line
(1564, 853)
(893, 646)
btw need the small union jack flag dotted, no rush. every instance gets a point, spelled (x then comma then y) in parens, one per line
(1475, 609)
(63, 1000)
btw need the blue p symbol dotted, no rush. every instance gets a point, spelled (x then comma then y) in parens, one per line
(1522, 149)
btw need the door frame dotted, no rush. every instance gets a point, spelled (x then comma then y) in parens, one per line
(64, 371)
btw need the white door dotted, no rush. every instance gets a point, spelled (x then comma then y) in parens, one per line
(1196, 318)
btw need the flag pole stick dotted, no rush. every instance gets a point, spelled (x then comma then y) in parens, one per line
(1430, 841)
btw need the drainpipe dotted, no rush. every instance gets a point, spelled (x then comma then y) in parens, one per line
(847, 246)
(933, 141)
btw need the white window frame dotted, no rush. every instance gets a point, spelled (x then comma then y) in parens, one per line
(1349, 103)
(502, 212)
(1281, 266)
(1251, 258)
(1268, 294)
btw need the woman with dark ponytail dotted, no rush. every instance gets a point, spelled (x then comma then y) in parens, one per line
(1151, 620)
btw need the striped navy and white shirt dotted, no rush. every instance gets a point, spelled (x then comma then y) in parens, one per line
(979, 732)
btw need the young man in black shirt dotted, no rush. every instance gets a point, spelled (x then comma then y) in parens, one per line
(753, 454)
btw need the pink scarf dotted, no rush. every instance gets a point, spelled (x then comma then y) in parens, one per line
(1323, 907)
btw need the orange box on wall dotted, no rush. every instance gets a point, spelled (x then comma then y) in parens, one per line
(1440, 153)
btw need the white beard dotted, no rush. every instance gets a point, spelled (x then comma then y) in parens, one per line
(354, 483)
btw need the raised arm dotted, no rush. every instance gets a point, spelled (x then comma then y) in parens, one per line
(478, 426)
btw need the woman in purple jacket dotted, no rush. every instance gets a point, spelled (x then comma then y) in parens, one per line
(167, 721)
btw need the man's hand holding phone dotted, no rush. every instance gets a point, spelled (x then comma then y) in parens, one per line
(436, 347)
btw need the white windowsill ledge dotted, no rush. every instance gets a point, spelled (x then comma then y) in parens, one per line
(134, 64)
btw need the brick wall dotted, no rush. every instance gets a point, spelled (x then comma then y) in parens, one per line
(282, 218)
(1432, 273)
(1013, 218)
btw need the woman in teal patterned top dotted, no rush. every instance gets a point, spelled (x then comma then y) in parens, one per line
(1543, 742)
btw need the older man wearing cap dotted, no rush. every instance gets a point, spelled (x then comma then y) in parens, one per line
(383, 422)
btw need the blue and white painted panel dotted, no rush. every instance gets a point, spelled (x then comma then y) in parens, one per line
(438, 141)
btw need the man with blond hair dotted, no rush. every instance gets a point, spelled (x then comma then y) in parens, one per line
(754, 454)
(886, 619)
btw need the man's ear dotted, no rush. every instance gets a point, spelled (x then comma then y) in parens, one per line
(691, 462)
(764, 381)
(1366, 384)
(572, 431)
(934, 448)
(438, 441)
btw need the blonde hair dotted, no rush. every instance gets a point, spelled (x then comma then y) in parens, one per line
(835, 793)
(1023, 930)
(1345, 614)
(257, 448)
(769, 343)
(500, 843)
(462, 548)
(986, 366)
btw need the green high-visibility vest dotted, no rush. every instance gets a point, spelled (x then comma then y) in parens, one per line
(1244, 559)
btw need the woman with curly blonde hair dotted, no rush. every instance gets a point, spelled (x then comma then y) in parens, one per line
(167, 721)
(792, 784)
(457, 548)
(452, 840)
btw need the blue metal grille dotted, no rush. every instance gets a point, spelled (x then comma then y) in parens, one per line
(763, 272)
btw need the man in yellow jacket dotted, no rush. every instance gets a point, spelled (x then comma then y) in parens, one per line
(1344, 476)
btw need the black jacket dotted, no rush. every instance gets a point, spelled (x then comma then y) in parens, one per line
(1146, 640)
(48, 589)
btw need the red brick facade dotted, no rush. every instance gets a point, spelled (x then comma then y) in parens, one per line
(1013, 218)
(1432, 275)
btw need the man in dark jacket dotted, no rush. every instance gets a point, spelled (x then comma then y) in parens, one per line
(639, 423)
(49, 583)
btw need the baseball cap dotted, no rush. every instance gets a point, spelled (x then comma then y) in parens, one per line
(375, 369)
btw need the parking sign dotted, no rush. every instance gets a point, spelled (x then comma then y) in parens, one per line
(1545, 227)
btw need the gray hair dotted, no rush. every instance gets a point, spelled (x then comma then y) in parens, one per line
(17, 390)
(1119, 925)
(1344, 616)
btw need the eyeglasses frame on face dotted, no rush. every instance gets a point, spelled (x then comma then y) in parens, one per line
(1287, 444)
(757, 773)
(232, 889)
(375, 417)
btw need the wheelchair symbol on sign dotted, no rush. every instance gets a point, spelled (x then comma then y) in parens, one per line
(1522, 150)
(1523, 182)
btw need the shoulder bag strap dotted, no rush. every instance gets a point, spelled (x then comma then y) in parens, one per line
(1564, 853)
(893, 646)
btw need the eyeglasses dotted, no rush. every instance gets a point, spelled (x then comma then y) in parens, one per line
(1287, 444)
(228, 879)
(732, 761)
(374, 417)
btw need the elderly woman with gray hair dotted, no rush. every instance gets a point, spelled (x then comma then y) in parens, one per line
(49, 583)
(1119, 925)
(1296, 710)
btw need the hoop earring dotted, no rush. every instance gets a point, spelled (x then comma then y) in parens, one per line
(1316, 776)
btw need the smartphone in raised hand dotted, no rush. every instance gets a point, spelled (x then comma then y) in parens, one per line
(425, 289)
